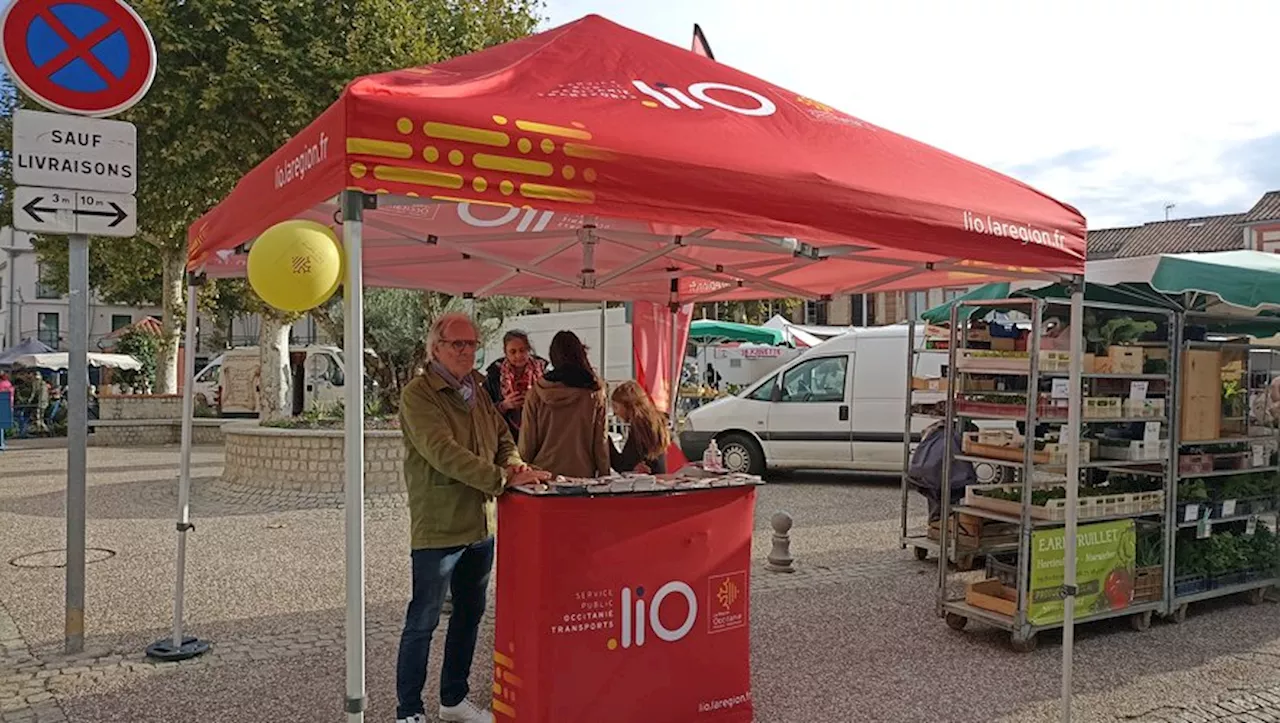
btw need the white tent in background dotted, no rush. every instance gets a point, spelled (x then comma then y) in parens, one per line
(803, 335)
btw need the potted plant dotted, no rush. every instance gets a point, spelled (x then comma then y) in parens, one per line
(1120, 331)
(1189, 571)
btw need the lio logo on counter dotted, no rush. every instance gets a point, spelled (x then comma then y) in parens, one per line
(636, 623)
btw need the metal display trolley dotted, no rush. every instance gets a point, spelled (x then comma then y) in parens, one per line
(926, 390)
(989, 386)
(1226, 472)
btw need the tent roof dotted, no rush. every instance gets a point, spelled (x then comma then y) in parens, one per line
(712, 330)
(28, 346)
(594, 162)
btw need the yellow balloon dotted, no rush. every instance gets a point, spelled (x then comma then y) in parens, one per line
(296, 265)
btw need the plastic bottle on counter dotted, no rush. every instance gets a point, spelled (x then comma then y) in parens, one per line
(712, 460)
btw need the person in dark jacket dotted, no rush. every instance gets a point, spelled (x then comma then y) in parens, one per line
(645, 450)
(510, 378)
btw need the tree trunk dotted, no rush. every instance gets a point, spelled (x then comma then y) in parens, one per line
(275, 398)
(174, 307)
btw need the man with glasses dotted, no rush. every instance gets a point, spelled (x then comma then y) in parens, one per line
(459, 456)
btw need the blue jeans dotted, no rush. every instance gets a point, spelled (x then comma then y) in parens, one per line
(465, 570)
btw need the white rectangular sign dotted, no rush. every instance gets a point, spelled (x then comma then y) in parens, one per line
(63, 151)
(60, 211)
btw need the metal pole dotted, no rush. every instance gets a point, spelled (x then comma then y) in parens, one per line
(1072, 438)
(353, 356)
(77, 435)
(604, 323)
(178, 647)
(677, 356)
(906, 429)
(958, 338)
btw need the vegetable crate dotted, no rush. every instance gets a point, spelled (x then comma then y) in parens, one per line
(1010, 453)
(1136, 451)
(978, 360)
(1127, 503)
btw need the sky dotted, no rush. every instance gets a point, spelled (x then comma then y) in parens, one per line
(1117, 107)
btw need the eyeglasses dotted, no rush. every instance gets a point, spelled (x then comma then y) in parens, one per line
(460, 345)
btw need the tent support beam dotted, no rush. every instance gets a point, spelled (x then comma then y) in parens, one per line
(353, 450)
(178, 646)
(1074, 415)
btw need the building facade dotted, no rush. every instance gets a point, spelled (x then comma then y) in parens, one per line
(30, 308)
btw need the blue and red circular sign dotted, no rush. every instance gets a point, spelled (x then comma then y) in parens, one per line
(89, 57)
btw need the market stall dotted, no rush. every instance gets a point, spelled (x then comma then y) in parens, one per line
(1181, 483)
(444, 179)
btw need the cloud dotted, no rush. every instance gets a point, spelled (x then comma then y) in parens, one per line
(1257, 159)
(1021, 88)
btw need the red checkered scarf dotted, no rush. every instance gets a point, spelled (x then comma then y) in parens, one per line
(519, 380)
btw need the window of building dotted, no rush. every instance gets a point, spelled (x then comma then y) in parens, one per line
(949, 295)
(862, 309)
(44, 289)
(120, 321)
(815, 312)
(48, 329)
(917, 303)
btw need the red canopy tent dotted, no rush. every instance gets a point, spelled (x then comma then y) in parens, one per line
(593, 162)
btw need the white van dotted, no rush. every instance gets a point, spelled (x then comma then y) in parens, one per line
(840, 405)
(231, 381)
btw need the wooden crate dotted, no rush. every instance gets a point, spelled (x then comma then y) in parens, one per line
(971, 446)
(1200, 395)
(992, 595)
(1125, 359)
(1148, 584)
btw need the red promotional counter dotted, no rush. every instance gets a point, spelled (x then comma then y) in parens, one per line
(624, 607)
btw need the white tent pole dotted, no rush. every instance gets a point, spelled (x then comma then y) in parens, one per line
(673, 395)
(178, 647)
(604, 323)
(1073, 490)
(353, 448)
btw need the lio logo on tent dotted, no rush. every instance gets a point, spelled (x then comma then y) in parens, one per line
(700, 95)
(637, 623)
(531, 219)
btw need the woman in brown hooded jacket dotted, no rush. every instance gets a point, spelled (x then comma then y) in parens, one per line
(563, 422)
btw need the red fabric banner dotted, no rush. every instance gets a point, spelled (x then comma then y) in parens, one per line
(624, 609)
(651, 347)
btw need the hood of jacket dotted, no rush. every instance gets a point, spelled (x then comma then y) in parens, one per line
(565, 388)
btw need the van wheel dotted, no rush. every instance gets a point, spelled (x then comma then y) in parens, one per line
(741, 454)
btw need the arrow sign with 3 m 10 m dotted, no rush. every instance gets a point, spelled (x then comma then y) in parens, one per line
(63, 211)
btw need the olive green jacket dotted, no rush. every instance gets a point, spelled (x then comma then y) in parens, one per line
(455, 458)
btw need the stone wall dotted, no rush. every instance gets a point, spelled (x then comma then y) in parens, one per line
(308, 460)
(147, 420)
(152, 432)
(155, 406)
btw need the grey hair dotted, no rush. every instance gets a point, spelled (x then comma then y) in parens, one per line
(442, 322)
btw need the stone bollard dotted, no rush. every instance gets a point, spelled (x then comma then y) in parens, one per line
(780, 559)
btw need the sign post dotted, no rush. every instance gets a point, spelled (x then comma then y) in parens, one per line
(76, 175)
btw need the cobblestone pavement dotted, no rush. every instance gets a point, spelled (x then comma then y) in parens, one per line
(849, 636)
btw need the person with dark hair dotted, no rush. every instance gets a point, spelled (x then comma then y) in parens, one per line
(563, 423)
(508, 379)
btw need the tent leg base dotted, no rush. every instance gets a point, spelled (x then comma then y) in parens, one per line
(165, 651)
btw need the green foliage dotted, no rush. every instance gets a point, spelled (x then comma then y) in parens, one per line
(144, 347)
(1150, 547)
(396, 322)
(1114, 332)
(236, 79)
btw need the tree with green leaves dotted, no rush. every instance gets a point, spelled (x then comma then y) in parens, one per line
(235, 79)
(396, 322)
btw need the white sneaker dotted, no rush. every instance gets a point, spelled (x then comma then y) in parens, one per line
(415, 718)
(465, 712)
